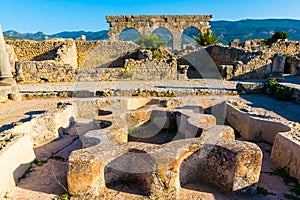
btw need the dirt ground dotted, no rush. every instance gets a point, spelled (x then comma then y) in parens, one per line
(45, 178)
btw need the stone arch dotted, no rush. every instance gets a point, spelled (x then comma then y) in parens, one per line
(129, 34)
(145, 24)
(166, 34)
(187, 36)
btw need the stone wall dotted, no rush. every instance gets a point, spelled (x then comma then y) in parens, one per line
(151, 69)
(99, 74)
(142, 65)
(62, 51)
(101, 53)
(249, 60)
(44, 71)
(292, 65)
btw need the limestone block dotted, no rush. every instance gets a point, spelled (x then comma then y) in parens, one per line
(46, 127)
(15, 159)
(285, 152)
(253, 128)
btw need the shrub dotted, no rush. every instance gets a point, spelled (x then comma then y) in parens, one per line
(151, 42)
(280, 92)
(280, 35)
(205, 39)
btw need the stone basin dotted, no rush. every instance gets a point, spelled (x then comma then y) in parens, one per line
(158, 147)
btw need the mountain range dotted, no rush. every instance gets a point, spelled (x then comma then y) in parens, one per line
(226, 30)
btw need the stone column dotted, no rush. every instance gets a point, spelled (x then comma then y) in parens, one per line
(6, 77)
(278, 67)
(176, 40)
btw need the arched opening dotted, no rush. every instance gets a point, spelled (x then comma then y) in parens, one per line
(187, 37)
(129, 34)
(166, 35)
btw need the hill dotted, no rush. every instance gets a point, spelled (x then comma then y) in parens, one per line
(227, 30)
(100, 35)
(252, 29)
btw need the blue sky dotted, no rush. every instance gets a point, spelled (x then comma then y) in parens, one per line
(52, 16)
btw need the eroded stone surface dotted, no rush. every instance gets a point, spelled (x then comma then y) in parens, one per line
(285, 152)
(110, 159)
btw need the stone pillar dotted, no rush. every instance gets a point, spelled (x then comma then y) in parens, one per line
(6, 77)
(176, 41)
(278, 67)
(113, 37)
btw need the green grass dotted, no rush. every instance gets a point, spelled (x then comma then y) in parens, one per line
(294, 186)
(263, 191)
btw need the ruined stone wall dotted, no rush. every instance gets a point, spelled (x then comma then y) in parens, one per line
(62, 51)
(250, 60)
(44, 71)
(101, 53)
(162, 69)
(99, 74)
(146, 24)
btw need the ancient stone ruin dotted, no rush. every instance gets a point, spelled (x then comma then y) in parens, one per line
(7, 83)
(149, 124)
(159, 148)
(146, 24)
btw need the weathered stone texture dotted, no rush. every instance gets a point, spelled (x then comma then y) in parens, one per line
(146, 24)
(293, 65)
(253, 128)
(12, 57)
(47, 126)
(99, 74)
(44, 71)
(159, 169)
(15, 159)
(161, 69)
(285, 152)
(101, 53)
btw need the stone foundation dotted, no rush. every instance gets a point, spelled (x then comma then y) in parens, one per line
(127, 150)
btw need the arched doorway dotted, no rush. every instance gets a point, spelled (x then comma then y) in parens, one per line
(187, 37)
(129, 34)
(166, 35)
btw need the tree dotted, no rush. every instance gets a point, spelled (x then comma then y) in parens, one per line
(207, 38)
(151, 42)
(280, 35)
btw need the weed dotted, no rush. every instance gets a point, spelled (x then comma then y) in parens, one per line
(291, 181)
(280, 92)
(284, 174)
(296, 189)
(263, 191)
(66, 195)
(56, 157)
(28, 171)
(128, 73)
(40, 162)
